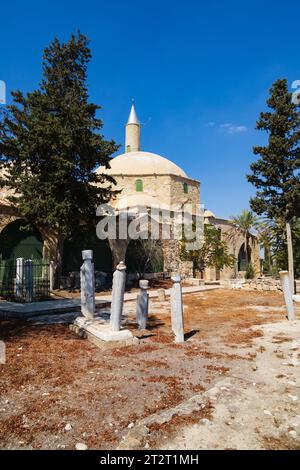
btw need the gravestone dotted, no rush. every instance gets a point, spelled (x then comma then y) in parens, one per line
(87, 284)
(119, 280)
(93, 326)
(177, 309)
(142, 305)
(288, 297)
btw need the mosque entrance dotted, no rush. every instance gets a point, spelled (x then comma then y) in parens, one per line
(86, 239)
(19, 241)
(243, 258)
(144, 256)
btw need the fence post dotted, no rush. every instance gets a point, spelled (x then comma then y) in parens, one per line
(29, 280)
(19, 278)
(51, 275)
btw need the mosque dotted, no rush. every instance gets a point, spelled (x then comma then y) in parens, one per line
(143, 179)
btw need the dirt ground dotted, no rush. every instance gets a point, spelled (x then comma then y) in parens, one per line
(239, 364)
(134, 288)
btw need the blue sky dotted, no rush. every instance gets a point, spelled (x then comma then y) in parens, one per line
(199, 72)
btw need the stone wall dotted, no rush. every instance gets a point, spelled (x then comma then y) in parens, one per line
(260, 284)
(186, 269)
(166, 189)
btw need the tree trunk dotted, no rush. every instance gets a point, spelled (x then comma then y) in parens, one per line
(246, 251)
(290, 256)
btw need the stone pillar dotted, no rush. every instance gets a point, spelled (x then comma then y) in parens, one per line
(119, 279)
(52, 275)
(177, 309)
(19, 278)
(142, 305)
(286, 287)
(87, 283)
(29, 280)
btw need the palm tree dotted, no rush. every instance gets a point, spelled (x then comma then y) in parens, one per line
(245, 223)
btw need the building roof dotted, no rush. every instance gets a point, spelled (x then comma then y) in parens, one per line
(133, 119)
(208, 213)
(142, 163)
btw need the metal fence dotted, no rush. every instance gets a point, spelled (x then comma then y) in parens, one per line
(24, 280)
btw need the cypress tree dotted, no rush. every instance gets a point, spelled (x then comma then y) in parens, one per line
(276, 172)
(51, 145)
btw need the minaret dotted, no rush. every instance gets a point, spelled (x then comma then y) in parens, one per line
(133, 132)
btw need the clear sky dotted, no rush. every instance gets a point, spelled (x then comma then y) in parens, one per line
(199, 72)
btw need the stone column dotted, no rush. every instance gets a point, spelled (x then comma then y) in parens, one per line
(119, 279)
(142, 305)
(19, 278)
(29, 280)
(87, 283)
(177, 309)
(286, 287)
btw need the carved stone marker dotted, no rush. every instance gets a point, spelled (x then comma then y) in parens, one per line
(177, 309)
(51, 275)
(142, 305)
(87, 284)
(119, 280)
(161, 295)
(288, 297)
(96, 328)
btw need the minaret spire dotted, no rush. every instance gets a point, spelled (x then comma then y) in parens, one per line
(133, 130)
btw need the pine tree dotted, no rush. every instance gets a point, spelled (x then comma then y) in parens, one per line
(276, 172)
(50, 145)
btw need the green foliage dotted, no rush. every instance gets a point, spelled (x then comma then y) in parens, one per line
(250, 272)
(276, 172)
(214, 252)
(144, 256)
(279, 244)
(244, 224)
(50, 144)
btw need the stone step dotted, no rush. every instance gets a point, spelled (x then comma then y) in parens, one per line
(10, 310)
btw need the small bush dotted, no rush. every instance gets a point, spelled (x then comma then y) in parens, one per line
(250, 273)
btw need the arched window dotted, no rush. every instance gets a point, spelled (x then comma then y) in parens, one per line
(139, 186)
(185, 188)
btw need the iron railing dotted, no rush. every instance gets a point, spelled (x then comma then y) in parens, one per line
(24, 280)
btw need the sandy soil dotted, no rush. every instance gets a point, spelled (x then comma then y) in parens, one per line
(53, 379)
(153, 285)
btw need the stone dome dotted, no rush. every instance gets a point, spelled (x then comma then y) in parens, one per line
(142, 163)
(208, 213)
